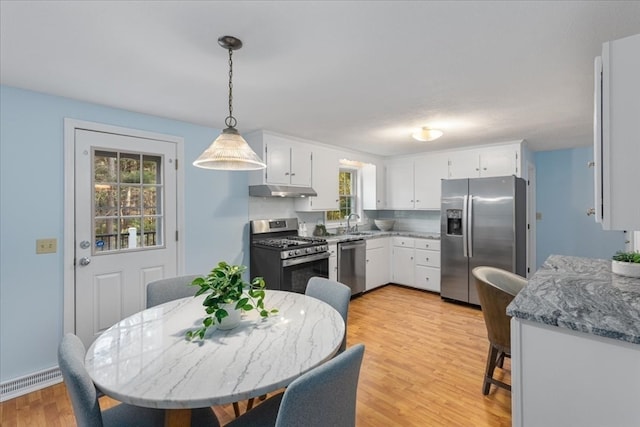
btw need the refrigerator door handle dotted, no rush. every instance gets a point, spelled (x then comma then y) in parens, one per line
(470, 226)
(464, 227)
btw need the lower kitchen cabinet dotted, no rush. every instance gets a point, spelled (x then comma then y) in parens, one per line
(377, 266)
(333, 261)
(403, 262)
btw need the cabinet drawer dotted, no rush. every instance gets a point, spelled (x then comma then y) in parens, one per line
(430, 244)
(405, 242)
(379, 242)
(427, 258)
(427, 278)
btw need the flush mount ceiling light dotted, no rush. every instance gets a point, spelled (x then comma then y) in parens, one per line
(230, 151)
(427, 134)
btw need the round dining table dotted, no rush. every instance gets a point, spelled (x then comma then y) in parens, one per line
(146, 360)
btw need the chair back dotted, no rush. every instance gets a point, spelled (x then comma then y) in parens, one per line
(165, 290)
(324, 396)
(336, 294)
(496, 289)
(82, 391)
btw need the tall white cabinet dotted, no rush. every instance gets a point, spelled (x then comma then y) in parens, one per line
(617, 135)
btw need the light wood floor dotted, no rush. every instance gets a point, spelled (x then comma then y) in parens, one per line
(423, 366)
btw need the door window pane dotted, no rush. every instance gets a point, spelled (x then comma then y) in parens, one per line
(127, 201)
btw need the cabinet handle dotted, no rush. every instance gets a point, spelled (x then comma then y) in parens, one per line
(591, 211)
(426, 278)
(367, 260)
(484, 169)
(427, 258)
(286, 174)
(293, 173)
(417, 201)
(591, 164)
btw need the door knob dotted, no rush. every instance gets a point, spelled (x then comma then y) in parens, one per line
(85, 260)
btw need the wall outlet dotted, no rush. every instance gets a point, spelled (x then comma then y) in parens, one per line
(46, 246)
(538, 216)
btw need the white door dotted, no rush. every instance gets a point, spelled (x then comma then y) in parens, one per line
(125, 225)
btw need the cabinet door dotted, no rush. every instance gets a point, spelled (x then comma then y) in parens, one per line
(325, 170)
(301, 166)
(428, 173)
(400, 185)
(369, 187)
(464, 164)
(377, 267)
(278, 163)
(498, 162)
(403, 266)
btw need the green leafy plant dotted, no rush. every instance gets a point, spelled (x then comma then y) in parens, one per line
(225, 285)
(633, 257)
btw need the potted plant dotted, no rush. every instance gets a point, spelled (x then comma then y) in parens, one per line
(229, 293)
(626, 264)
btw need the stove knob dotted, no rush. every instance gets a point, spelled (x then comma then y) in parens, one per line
(309, 250)
(297, 251)
(291, 253)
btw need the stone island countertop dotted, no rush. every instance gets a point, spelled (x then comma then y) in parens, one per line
(373, 234)
(581, 294)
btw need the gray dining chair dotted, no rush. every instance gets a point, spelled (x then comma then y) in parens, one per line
(496, 289)
(165, 290)
(336, 294)
(324, 396)
(84, 396)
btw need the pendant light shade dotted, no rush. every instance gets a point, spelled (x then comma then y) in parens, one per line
(230, 151)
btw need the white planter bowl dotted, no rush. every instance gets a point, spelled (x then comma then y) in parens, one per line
(384, 224)
(629, 269)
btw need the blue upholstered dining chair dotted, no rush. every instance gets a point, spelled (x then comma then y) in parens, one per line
(165, 290)
(324, 396)
(84, 396)
(336, 294)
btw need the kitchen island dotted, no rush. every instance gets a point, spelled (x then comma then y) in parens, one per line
(575, 344)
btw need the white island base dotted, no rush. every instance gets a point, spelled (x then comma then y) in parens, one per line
(565, 378)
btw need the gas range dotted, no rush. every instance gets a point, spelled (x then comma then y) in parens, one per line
(281, 234)
(285, 260)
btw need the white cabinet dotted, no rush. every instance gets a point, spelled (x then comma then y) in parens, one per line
(616, 140)
(373, 191)
(486, 162)
(402, 260)
(427, 264)
(400, 185)
(377, 266)
(333, 261)
(288, 161)
(324, 180)
(416, 262)
(429, 171)
(416, 183)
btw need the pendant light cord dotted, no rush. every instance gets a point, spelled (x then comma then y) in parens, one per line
(230, 121)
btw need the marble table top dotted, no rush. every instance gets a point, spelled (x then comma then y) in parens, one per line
(145, 359)
(581, 294)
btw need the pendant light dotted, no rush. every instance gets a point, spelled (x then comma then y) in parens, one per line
(230, 151)
(427, 134)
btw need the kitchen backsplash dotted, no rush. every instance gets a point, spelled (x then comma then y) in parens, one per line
(423, 221)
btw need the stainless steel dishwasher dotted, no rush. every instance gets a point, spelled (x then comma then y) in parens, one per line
(351, 265)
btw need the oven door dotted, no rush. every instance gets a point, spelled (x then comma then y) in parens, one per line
(296, 272)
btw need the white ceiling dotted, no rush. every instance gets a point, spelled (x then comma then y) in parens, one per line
(358, 74)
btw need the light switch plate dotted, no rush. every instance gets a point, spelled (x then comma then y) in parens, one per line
(538, 216)
(46, 246)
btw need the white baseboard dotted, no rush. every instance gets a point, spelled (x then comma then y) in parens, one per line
(29, 383)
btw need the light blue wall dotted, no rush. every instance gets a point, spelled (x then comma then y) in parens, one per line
(564, 192)
(31, 207)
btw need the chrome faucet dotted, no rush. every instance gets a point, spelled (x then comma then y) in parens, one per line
(355, 227)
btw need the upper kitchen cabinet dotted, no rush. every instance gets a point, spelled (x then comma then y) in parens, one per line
(373, 187)
(500, 160)
(415, 183)
(617, 135)
(288, 161)
(324, 180)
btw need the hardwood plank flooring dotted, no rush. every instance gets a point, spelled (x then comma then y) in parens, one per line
(423, 366)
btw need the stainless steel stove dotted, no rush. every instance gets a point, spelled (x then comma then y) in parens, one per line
(285, 260)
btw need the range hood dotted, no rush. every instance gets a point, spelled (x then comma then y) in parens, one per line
(268, 190)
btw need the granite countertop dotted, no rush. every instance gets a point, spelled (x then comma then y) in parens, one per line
(373, 234)
(581, 294)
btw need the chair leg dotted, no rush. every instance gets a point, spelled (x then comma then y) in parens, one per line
(500, 359)
(250, 403)
(491, 365)
(236, 409)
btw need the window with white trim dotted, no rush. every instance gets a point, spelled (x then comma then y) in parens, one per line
(348, 196)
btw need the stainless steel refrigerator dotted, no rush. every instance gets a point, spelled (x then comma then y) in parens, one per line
(483, 222)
